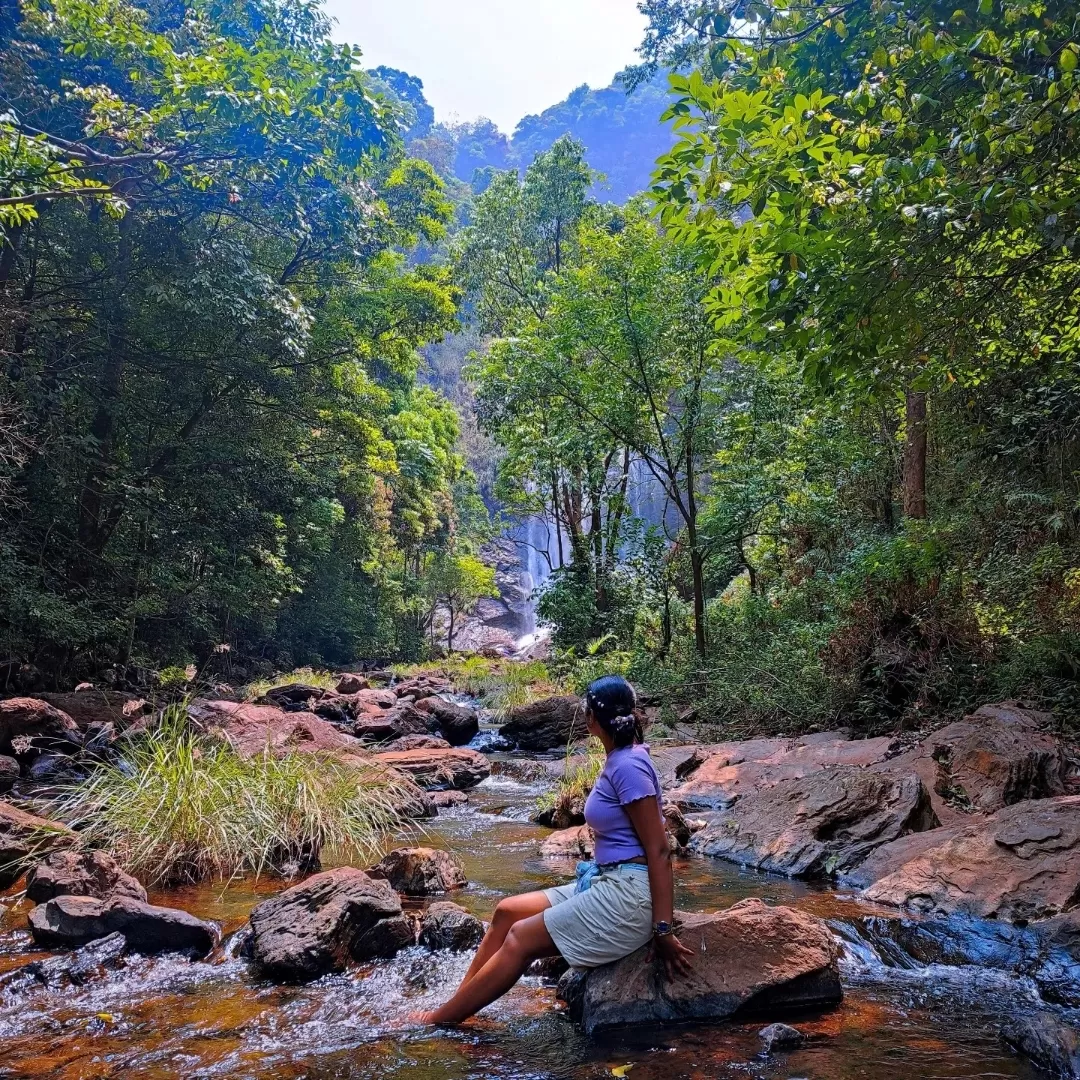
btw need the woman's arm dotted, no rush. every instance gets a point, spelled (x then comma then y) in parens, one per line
(648, 823)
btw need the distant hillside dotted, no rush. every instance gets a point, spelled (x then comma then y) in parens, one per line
(622, 133)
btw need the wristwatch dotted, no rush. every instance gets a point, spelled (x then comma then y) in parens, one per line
(661, 929)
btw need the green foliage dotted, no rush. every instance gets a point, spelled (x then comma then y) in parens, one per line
(208, 395)
(582, 764)
(187, 808)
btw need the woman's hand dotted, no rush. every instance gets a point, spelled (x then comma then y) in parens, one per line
(673, 954)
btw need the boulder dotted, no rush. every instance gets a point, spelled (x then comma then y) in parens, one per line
(29, 726)
(826, 822)
(448, 926)
(9, 773)
(421, 871)
(573, 843)
(72, 921)
(542, 725)
(417, 742)
(321, 924)
(88, 964)
(446, 799)
(996, 757)
(565, 813)
(715, 777)
(1045, 1039)
(352, 683)
(372, 701)
(1022, 863)
(780, 1037)
(439, 769)
(25, 837)
(293, 696)
(91, 706)
(80, 873)
(253, 729)
(457, 724)
(50, 768)
(678, 828)
(396, 723)
(421, 688)
(749, 959)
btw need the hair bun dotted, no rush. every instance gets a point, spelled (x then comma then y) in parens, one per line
(622, 723)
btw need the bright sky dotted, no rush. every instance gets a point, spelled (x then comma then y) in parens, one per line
(502, 59)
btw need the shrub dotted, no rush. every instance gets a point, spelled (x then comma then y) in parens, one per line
(583, 766)
(182, 807)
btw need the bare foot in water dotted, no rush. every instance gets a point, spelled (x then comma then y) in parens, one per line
(419, 1019)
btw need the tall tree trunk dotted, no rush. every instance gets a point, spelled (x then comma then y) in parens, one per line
(915, 457)
(555, 513)
(450, 630)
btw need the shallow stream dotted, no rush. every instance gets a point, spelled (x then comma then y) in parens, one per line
(166, 1018)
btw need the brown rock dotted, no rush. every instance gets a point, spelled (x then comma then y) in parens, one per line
(352, 683)
(444, 799)
(253, 729)
(25, 837)
(455, 768)
(717, 776)
(574, 843)
(9, 773)
(373, 700)
(827, 822)
(566, 813)
(72, 921)
(448, 926)
(421, 871)
(996, 757)
(417, 742)
(35, 725)
(80, 873)
(1022, 863)
(541, 725)
(678, 829)
(395, 723)
(88, 707)
(318, 926)
(748, 959)
(293, 696)
(457, 724)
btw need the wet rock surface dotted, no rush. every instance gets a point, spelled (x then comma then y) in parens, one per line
(80, 873)
(823, 823)
(90, 963)
(401, 721)
(756, 959)
(780, 1037)
(439, 769)
(325, 922)
(1047, 1040)
(421, 871)
(73, 921)
(9, 773)
(542, 725)
(448, 926)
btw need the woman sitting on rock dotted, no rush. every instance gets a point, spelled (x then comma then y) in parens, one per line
(617, 904)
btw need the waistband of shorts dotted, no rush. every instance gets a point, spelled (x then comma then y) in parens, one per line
(617, 867)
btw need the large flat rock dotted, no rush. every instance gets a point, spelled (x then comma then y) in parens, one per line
(30, 726)
(718, 776)
(824, 823)
(1021, 863)
(750, 958)
(546, 724)
(255, 729)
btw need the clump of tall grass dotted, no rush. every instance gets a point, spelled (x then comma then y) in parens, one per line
(583, 764)
(185, 807)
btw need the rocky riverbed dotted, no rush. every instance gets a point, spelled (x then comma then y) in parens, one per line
(910, 907)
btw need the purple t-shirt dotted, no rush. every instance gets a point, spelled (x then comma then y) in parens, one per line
(628, 775)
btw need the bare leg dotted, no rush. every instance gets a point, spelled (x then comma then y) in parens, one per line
(510, 910)
(527, 940)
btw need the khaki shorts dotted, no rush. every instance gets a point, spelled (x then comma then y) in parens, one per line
(608, 921)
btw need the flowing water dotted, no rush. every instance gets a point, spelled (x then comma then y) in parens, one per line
(167, 1018)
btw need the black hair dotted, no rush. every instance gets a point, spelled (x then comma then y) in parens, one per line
(612, 702)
